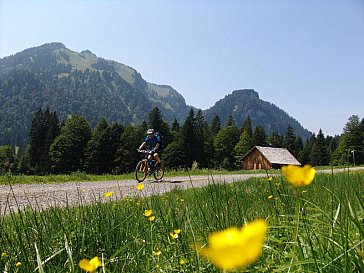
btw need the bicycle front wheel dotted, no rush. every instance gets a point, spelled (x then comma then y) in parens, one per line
(159, 172)
(141, 171)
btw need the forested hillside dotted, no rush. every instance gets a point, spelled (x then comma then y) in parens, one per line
(76, 83)
(72, 83)
(242, 104)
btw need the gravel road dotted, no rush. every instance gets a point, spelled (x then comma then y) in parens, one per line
(42, 196)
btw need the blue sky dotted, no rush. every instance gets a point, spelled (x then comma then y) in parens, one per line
(306, 57)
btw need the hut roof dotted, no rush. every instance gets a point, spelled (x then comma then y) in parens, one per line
(275, 155)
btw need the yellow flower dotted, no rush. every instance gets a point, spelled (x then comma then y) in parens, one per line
(151, 218)
(183, 261)
(148, 212)
(108, 194)
(270, 196)
(140, 186)
(270, 178)
(18, 264)
(90, 266)
(299, 176)
(173, 235)
(235, 247)
(157, 252)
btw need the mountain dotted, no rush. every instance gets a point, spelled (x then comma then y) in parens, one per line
(69, 82)
(243, 103)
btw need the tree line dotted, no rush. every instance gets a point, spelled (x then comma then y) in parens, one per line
(56, 147)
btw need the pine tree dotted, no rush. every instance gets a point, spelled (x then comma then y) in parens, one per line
(199, 151)
(189, 137)
(247, 126)
(319, 155)
(215, 125)
(155, 119)
(44, 129)
(289, 140)
(350, 146)
(259, 137)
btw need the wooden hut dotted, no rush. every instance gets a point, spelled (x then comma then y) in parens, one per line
(266, 158)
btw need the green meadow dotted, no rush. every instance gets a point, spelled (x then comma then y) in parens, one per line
(317, 228)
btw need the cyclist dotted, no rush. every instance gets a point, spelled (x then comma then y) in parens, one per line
(154, 142)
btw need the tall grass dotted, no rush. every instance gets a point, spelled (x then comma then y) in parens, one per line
(315, 229)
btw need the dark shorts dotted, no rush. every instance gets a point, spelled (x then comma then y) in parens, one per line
(156, 151)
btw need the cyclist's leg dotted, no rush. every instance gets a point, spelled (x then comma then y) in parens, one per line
(156, 157)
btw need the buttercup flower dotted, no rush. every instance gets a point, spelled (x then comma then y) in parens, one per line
(140, 186)
(270, 178)
(151, 218)
(18, 264)
(157, 252)
(270, 196)
(235, 247)
(299, 176)
(108, 194)
(183, 261)
(175, 233)
(90, 265)
(148, 212)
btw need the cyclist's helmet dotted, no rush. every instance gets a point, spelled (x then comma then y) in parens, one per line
(150, 131)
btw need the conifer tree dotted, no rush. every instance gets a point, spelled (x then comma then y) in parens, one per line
(247, 126)
(44, 129)
(350, 146)
(319, 155)
(259, 137)
(215, 125)
(289, 140)
(189, 138)
(276, 140)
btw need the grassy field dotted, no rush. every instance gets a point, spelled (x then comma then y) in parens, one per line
(81, 176)
(318, 228)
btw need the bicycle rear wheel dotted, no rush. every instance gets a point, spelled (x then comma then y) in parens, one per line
(141, 171)
(159, 172)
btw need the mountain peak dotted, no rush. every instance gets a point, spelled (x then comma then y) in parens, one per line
(250, 93)
(48, 46)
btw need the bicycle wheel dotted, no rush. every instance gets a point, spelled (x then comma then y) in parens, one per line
(141, 171)
(159, 172)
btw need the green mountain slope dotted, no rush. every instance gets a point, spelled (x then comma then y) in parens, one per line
(76, 83)
(243, 103)
(69, 82)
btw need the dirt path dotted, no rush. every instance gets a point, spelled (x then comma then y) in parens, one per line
(43, 196)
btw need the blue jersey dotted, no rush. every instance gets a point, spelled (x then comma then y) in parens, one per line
(153, 141)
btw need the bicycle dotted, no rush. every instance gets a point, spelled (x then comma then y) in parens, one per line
(148, 167)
